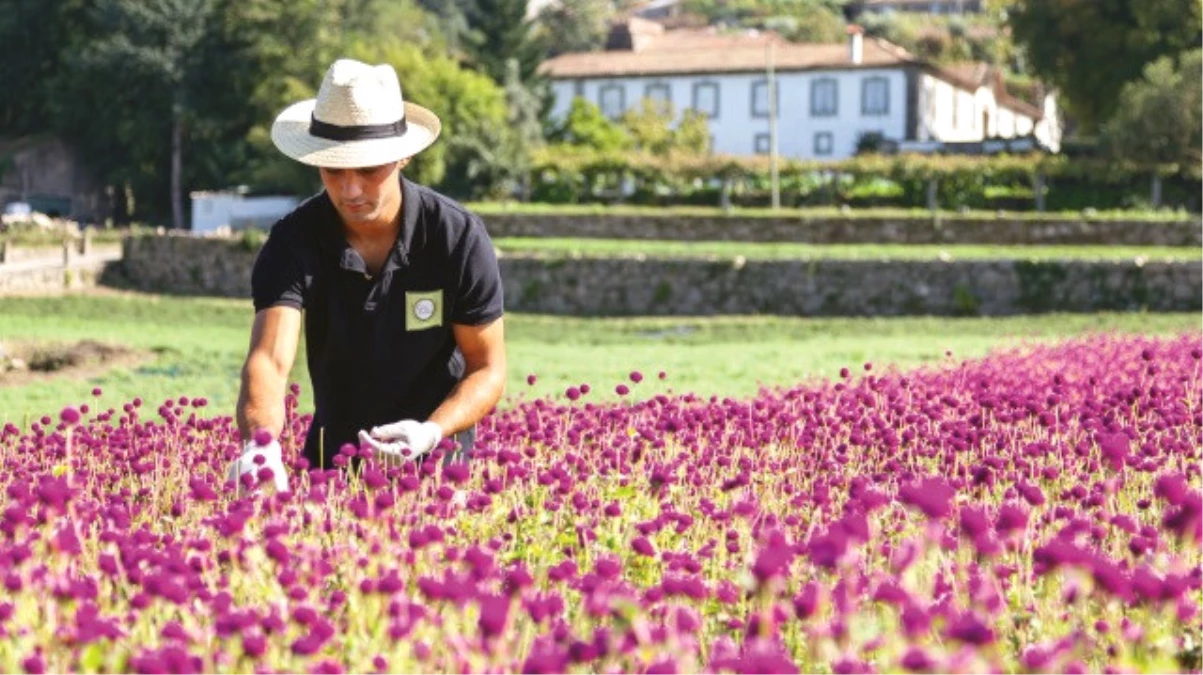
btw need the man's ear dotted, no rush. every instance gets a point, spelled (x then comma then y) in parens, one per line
(403, 163)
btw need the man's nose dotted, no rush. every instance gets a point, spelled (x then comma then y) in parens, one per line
(350, 187)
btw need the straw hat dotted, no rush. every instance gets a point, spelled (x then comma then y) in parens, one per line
(357, 120)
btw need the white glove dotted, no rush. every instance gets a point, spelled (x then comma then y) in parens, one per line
(407, 439)
(272, 459)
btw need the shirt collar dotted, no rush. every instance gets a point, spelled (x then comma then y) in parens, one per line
(335, 241)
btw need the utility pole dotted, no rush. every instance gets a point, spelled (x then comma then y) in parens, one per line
(772, 85)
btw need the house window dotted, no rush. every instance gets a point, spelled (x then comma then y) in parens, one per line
(705, 99)
(875, 96)
(823, 98)
(578, 88)
(658, 92)
(760, 97)
(761, 144)
(824, 143)
(611, 100)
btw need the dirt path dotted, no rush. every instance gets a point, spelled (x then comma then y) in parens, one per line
(51, 361)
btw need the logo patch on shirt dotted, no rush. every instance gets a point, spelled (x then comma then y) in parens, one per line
(423, 309)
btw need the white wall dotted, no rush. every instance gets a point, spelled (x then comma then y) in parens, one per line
(735, 128)
(946, 112)
(1048, 130)
(213, 210)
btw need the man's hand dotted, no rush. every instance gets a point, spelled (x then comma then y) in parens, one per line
(255, 461)
(407, 439)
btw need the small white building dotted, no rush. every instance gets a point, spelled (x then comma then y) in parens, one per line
(233, 210)
(923, 6)
(828, 95)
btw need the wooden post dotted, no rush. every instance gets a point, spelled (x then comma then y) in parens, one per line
(66, 252)
(1155, 188)
(1038, 190)
(932, 203)
(85, 244)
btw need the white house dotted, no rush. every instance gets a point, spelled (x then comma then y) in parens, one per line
(925, 6)
(828, 95)
(232, 210)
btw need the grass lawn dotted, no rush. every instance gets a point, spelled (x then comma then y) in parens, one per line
(195, 347)
(489, 208)
(553, 247)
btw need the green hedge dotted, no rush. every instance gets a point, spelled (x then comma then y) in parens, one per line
(564, 174)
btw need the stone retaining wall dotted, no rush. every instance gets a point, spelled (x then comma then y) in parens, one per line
(37, 276)
(630, 286)
(900, 230)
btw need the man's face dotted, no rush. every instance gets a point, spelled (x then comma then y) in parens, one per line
(365, 194)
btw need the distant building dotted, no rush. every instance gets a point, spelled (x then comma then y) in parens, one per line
(829, 96)
(232, 210)
(657, 9)
(921, 6)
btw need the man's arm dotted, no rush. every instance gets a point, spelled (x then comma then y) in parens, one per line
(274, 338)
(483, 348)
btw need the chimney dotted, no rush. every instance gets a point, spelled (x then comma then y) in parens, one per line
(856, 44)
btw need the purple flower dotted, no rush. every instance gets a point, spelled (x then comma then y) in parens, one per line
(773, 562)
(827, 549)
(969, 629)
(917, 661)
(1010, 518)
(1114, 448)
(69, 415)
(807, 601)
(643, 547)
(494, 614)
(932, 496)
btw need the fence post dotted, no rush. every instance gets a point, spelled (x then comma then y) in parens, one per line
(725, 196)
(85, 244)
(932, 185)
(1038, 189)
(1155, 188)
(3, 252)
(66, 252)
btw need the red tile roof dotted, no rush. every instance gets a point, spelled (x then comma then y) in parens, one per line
(707, 51)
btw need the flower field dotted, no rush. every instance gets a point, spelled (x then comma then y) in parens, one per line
(1035, 511)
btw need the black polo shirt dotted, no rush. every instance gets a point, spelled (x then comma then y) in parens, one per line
(380, 348)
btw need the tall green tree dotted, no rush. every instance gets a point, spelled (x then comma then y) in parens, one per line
(1159, 116)
(575, 26)
(499, 31)
(1091, 49)
(34, 34)
(140, 67)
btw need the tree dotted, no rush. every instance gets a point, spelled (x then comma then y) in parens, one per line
(1090, 50)
(500, 31)
(586, 126)
(148, 53)
(1159, 116)
(650, 127)
(34, 34)
(575, 26)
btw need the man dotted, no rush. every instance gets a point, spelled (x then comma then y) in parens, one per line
(399, 285)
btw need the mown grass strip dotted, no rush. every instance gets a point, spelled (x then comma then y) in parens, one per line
(827, 212)
(597, 248)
